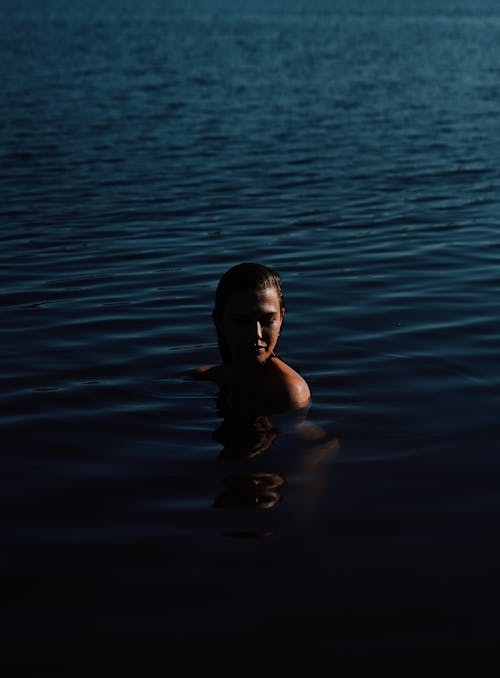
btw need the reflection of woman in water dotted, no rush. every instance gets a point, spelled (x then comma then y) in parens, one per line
(248, 316)
(245, 437)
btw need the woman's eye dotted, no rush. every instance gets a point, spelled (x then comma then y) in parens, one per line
(244, 320)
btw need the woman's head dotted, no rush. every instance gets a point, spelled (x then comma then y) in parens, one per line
(248, 313)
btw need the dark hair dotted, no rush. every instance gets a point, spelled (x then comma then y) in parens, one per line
(242, 278)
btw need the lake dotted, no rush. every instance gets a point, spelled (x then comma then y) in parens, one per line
(146, 148)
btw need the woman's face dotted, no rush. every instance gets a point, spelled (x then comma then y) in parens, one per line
(251, 324)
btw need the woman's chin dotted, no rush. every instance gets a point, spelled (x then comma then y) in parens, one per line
(253, 358)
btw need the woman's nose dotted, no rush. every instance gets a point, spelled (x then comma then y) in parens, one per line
(258, 330)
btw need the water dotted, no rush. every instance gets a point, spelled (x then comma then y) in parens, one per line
(145, 148)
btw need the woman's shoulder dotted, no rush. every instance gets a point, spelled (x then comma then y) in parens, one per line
(281, 389)
(209, 373)
(292, 387)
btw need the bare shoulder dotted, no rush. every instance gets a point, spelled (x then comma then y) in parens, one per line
(208, 373)
(294, 391)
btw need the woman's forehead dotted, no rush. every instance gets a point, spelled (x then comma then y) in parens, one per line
(265, 300)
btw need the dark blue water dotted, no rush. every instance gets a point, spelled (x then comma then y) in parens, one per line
(145, 148)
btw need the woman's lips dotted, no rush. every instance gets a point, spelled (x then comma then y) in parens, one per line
(257, 348)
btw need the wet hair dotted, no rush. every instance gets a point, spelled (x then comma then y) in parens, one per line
(243, 277)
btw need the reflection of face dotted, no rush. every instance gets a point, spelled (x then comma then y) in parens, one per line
(251, 324)
(245, 438)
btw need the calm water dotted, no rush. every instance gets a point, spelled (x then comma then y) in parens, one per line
(145, 148)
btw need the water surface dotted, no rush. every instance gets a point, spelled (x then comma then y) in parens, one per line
(145, 148)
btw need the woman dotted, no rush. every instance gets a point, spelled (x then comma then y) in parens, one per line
(248, 317)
